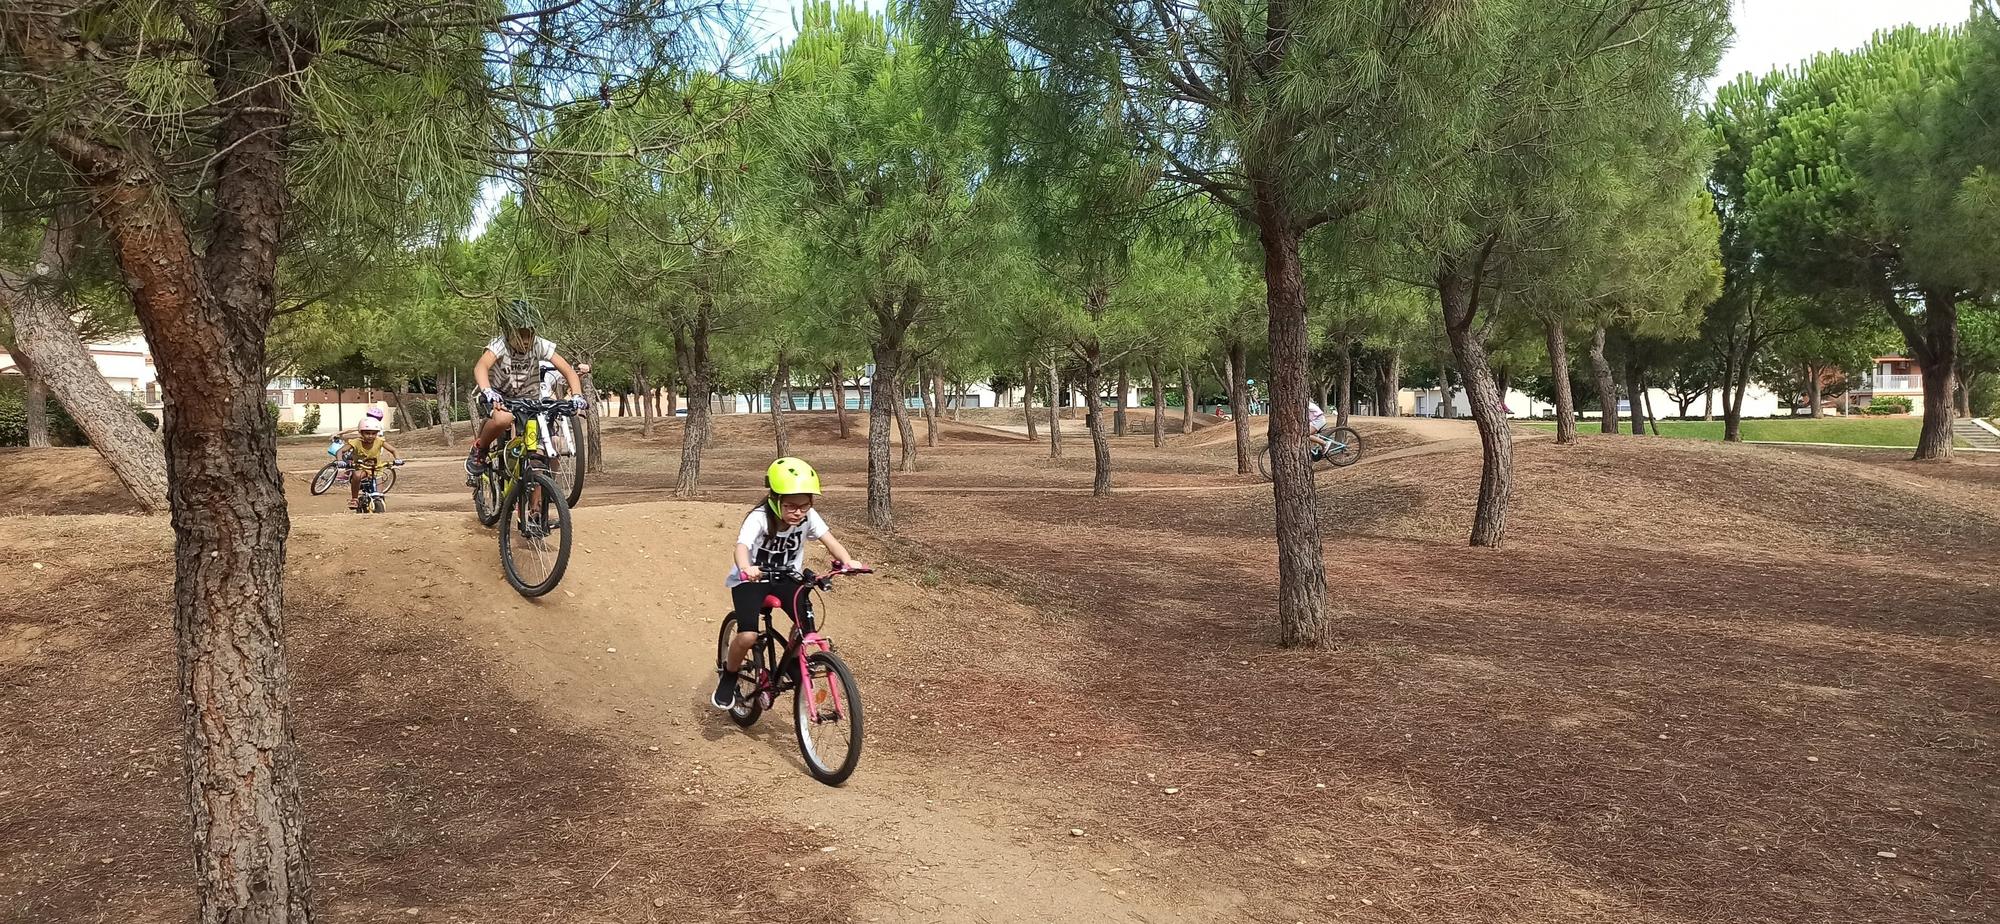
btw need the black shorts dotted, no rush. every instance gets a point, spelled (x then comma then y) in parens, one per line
(748, 600)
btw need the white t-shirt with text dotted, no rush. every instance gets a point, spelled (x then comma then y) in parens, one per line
(518, 375)
(783, 551)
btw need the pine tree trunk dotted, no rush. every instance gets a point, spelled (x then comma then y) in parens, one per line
(888, 355)
(958, 390)
(931, 396)
(1239, 403)
(1159, 401)
(1302, 612)
(34, 402)
(1187, 399)
(1935, 348)
(206, 306)
(1633, 387)
(1813, 392)
(1392, 384)
(46, 340)
(1559, 374)
(444, 408)
(1124, 389)
(593, 440)
(780, 394)
(1028, 399)
(1607, 390)
(906, 431)
(1055, 412)
(1093, 419)
(1496, 438)
(1708, 404)
(839, 377)
(1652, 419)
(1344, 396)
(698, 373)
(643, 389)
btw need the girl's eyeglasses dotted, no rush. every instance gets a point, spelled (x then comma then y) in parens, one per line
(796, 507)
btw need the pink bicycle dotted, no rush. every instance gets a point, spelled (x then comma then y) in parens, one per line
(826, 708)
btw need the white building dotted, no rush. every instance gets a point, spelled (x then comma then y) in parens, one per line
(126, 363)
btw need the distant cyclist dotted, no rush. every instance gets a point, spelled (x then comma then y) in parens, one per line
(365, 452)
(1316, 419)
(770, 550)
(511, 368)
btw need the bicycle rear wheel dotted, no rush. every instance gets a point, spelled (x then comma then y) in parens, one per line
(570, 475)
(747, 708)
(534, 535)
(486, 498)
(826, 710)
(325, 478)
(1264, 462)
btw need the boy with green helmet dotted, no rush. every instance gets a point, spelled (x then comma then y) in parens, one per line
(770, 550)
(511, 367)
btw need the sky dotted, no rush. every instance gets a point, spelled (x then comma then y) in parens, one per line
(1769, 33)
(1775, 33)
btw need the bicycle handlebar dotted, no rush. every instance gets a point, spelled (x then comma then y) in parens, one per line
(536, 406)
(821, 581)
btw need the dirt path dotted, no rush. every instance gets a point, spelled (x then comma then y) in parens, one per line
(623, 650)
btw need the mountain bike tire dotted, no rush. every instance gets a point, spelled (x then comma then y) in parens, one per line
(486, 498)
(747, 708)
(831, 748)
(1350, 447)
(556, 542)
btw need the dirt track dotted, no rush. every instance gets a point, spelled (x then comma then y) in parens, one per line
(1608, 720)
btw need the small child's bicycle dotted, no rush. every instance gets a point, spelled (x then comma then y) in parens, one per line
(826, 711)
(1335, 446)
(369, 500)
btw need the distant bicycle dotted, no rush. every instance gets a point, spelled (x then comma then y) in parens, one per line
(1338, 447)
(370, 498)
(337, 472)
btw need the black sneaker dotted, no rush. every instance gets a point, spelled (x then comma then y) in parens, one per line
(474, 465)
(725, 691)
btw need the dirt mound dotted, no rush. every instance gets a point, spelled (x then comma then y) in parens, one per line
(60, 481)
(809, 428)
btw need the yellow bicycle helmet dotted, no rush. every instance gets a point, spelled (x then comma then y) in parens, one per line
(790, 475)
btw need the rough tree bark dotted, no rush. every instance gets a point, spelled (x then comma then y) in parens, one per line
(906, 432)
(1635, 389)
(1159, 401)
(1028, 398)
(1344, 388)
(1239, 402)
(838, 377)
(1814, 392)
(691, 347)
(1607, 390)
(1124, 389)
(1187, 399)
(882, 402)
(1933, 343)
(443, 390)
(47, 339)
(1302, 613)
(1458, 291)
(1093, 418)
(931, 387)
(1055, 411)
(1559, 374)
(34, 402)
(593, 439)
(205, 306)
(781, 391)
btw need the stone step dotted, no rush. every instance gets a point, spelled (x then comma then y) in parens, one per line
(1974, 435)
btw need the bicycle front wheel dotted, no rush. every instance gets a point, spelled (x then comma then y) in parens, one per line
(1346, 449)
(534, 535)
(1264, 462)
(827, 713)
(324, 478)
(385, 479)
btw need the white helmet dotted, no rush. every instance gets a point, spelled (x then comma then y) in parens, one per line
(371, 425)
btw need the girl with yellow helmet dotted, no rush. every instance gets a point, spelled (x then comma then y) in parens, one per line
(770, 552)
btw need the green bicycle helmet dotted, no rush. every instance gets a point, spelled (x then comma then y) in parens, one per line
(790, 475)
(519, 314)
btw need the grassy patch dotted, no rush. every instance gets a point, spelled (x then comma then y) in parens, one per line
(1850, 431)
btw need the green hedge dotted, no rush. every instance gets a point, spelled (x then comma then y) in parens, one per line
(1888, 404)
(14, 418)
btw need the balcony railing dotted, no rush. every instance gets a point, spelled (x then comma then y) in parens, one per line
(1895, 383)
